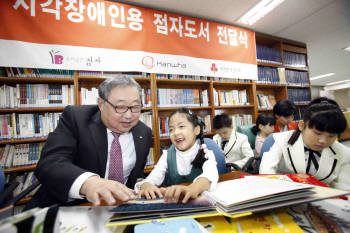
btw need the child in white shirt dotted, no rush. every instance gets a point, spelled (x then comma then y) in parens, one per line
(188, 161)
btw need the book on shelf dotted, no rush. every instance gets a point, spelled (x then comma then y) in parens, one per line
(20, 155)
(36, 95)
(27, 125)
(294, 59)
(232, 198)
(282, 75)
(268, 55)
(230, 97)
(19, 72)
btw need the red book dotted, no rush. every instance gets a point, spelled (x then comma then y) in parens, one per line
(301, 178)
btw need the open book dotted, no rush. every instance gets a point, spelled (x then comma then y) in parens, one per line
(232, 198)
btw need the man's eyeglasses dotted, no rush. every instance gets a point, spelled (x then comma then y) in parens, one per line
(124, 109)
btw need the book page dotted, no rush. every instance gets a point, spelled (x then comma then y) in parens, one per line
(249, 188)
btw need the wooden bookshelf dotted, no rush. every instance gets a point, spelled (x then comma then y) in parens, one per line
(36, 80)
(280, 91)
(252, 88)
(19, 169)
(25, 140)
(44, 109)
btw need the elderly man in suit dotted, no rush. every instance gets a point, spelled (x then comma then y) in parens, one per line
(96, 152)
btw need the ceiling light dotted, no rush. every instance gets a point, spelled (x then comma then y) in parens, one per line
(347, 49)
(322, 76)
(259, 11)
(333, 83)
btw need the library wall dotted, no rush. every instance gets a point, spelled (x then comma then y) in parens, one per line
(342, 97)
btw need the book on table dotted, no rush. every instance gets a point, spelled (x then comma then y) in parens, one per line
(232, 198)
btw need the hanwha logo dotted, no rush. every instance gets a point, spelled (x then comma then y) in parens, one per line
(148, 62)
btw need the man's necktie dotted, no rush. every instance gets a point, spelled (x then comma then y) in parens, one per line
(223, 143)
(312, 158)
(116, 160)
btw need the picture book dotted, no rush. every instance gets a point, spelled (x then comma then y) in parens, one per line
(232, 198)
(218, 224)
(299, 177)
(272, 221)
(185, 225)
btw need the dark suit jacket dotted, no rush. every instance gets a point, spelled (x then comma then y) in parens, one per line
(78, 145)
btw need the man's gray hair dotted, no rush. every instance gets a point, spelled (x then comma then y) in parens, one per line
(106, 86)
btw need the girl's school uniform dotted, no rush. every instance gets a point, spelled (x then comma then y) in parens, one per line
(333, 167)
(259, 141)
(174, 167)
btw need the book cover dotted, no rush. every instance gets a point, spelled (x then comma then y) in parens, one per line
(218, 224)
(230, 199)
(301, 178)
(277, 222)
(185, 225)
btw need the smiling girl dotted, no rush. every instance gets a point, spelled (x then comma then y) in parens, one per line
(312, 148)
(188, 161)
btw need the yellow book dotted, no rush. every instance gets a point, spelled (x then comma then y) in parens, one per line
(277, 222)
(217, 224)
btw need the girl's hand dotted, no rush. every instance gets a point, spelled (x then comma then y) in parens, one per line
(175, 193)
(149, 191)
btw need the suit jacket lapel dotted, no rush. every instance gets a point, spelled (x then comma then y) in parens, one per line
(325, 164)
(139, 141)
(230, 143)
(297, 155)
(99, 135)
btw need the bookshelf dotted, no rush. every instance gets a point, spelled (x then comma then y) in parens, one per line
(282, 72)
(278, 77)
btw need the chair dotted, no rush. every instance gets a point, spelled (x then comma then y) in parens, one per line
(219, 155)
(269, 141)
(2, 179)
(8, 201)
(246, 129)
(246, 168)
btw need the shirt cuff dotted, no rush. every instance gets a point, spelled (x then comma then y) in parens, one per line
(74, 191)
(137, 186)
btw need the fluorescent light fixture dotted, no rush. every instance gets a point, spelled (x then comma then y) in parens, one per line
(259, 11)
(322, 76)
(333, 83)
(347, 49)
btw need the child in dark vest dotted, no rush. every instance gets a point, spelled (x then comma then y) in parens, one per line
(187, 161)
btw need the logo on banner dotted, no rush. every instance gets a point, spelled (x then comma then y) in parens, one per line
(213, 68)
(148, 62)
(56, 58)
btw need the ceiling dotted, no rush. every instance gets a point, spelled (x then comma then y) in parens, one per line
(324, 25)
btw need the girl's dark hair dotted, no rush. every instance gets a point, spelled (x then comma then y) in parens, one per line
(263, 119)
(284, 108)
(324, 117)
(195, 121)
(323, 99)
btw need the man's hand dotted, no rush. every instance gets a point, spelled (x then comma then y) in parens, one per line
(149, 191)
(96, 189)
